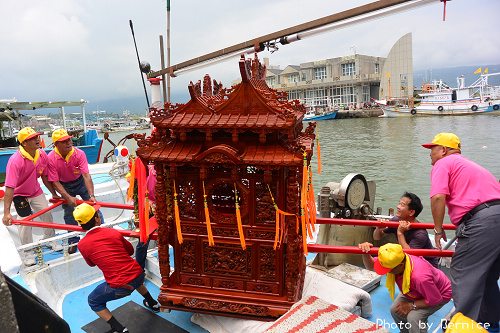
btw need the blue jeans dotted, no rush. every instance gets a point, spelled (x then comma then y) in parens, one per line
(74, 188)
(103, 293)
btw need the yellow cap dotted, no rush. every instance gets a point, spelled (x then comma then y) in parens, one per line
(26, 133)
(85, 212)
(449, 140)
(462, 324)
(389, 256)
(60, 135)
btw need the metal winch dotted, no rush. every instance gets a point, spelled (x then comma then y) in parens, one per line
(352, 198)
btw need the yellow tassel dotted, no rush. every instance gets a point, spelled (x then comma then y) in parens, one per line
(207, 217)
(177, 217)
(318, 150)
(130, 192)
(238, 220)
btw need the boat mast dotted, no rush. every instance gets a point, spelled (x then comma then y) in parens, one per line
(286, 36)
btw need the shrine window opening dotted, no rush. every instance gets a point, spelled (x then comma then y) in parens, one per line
(223, 199)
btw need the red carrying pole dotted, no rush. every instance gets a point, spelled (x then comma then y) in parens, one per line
(69, 227)
(377, 223)
(316, 248)
(102, 204)
(43, 211)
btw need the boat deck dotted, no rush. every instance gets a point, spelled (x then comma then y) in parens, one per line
(77, 312)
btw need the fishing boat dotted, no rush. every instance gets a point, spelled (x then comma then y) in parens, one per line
(10, 120)
(438, 99)
(311, 115)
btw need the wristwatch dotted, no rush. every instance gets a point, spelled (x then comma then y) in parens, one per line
(438, 233)
(93, 196)
(414, 307)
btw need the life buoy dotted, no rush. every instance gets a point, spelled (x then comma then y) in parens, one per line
(496, 107)
(413, 111)
(440, 108)
(474, 108)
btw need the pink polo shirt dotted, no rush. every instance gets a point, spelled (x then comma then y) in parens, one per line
(465, 183)
(426, 282)
(67, 171)
(150, 183)
(22, 174)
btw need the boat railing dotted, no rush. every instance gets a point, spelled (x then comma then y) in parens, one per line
(42, 247)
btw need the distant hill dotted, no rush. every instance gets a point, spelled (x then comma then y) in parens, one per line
(449, 75)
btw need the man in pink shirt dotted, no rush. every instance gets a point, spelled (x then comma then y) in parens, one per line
(21, 187)
(472, 195)
(68, 171)
(424, 288)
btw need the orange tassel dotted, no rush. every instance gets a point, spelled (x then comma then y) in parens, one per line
(304, 233)
(238, 220)
(130, 192)
(311, 201)
(177, 217)
(280, 222)
(303, 196)
(318, 150)
(207, 217)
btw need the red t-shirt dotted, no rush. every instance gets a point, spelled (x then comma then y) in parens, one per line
(107, 249)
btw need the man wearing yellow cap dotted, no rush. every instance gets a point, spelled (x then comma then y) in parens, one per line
(21, 187)
(69, 173)
(424, 288)
(472, 195)
(107, 249)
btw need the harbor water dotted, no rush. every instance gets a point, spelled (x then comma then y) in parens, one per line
(389, 151)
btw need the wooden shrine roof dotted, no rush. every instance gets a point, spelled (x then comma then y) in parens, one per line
(250, 104)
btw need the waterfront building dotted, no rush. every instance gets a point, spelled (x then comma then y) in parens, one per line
(349, 81)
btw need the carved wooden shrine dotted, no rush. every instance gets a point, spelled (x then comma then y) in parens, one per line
(246, 141)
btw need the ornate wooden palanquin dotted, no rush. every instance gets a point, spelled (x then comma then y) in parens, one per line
(247, 137)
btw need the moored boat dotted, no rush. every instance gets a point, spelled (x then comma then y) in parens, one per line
(313, 116)
(89, 142)
(438, 99)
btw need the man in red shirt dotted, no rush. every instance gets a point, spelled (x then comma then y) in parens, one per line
(107, 249)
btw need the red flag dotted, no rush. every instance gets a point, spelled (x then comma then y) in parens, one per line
(140, 173)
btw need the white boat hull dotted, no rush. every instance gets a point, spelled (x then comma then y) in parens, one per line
(491, 107)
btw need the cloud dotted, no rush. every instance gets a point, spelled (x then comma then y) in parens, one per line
(69, 49)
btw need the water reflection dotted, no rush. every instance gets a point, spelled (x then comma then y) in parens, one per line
(389, 152)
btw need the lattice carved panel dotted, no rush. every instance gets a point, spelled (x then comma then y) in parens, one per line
(227, 259)
(186, 199)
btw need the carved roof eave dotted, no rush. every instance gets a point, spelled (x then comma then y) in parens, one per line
(179, 153)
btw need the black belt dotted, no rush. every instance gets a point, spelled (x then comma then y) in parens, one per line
(476, 209)
(71, 182)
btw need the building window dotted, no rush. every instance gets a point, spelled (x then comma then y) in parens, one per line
(376, 68)
(320, 73)
(293, 78)
(348, 69)
(271, 81)
(293, 94)
(365, 93)
(303, 76)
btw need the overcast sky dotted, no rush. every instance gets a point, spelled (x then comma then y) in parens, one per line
(72, 50)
